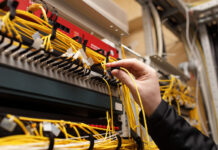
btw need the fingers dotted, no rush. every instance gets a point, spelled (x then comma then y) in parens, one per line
(123, 77)
(134, 66)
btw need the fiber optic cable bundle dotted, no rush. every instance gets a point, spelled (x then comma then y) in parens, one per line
(174, 89)
(175, 92)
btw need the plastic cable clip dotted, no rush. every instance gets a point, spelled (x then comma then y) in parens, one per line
(119, 142)
(51, 142)
(49, 127)
(1, 24)
(68, 53)
(84, 45)
(8, 124)
(12, 6)
(37, 43)
(55, 130)
(137, 139)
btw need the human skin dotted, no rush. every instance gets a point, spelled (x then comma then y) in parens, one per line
(146, 80)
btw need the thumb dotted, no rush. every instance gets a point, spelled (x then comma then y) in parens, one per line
(123, 77)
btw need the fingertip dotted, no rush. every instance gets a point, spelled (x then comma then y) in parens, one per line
(109, 64)
(114, 72)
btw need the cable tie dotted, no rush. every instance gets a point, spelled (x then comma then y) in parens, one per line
(119, 142)
(92, 142)
(137, 139)
(78, 38)
(53, 32)
(51, 141)
(112, 68)
(84, 45)
(107, 56)
(12, 4)
(101, 50)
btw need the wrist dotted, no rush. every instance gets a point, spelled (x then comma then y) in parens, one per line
(151, 106)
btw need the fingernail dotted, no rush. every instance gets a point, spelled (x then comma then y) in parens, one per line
(114, 72)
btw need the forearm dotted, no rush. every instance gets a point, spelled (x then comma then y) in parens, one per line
(170, 131)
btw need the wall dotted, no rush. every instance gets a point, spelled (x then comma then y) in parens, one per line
(175, 49)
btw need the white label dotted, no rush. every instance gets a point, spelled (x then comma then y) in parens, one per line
(112, 52)
(8, 124)
(69, 53)
(83, 54)
(55, 130)
(1, 24)
(118, 106)
(37, 43)
(90, 61)
(47, 126)
(77, 55)
(36, 35)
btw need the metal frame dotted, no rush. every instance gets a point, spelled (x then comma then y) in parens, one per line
(27, 85)
(147, 26)
(94, 17)
(212, 77)
(166, 67)
(47, 72)
(133, 52)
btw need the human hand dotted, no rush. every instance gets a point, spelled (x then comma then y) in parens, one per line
(146, 80)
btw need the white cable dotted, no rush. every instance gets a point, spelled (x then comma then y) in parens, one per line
(198, 106)
(158, 27)
(197, 57)
(187, 33)
(194, 53)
